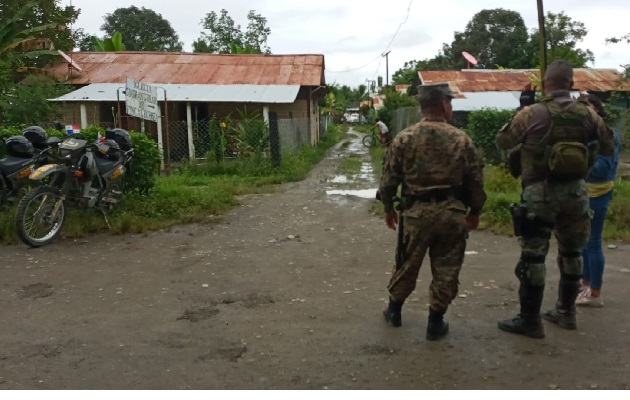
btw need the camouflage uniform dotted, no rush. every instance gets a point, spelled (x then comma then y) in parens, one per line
(441, 175)
(558, 206)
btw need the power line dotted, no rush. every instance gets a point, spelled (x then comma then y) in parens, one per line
(380, 56)
(355, 69)
(399, 26)
(393, 37)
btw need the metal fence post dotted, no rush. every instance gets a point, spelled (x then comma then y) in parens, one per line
(191, 144)
(274, 139)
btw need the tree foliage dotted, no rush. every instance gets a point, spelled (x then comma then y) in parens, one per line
(498, 38)
(563, 35)
(42, 13)
(225, 35)
(392, 102)
(340, 97)
(494, 37)
(27, 102)
(143, 29)
(27, 33)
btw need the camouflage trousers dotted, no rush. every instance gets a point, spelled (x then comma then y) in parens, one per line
(561, 208)
(441, 232)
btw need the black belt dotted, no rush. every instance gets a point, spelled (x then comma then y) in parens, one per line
(433, 195)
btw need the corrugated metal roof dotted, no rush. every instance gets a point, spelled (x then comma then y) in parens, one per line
(469, 101)
(599, 80)
(204, 93)
(194, 68)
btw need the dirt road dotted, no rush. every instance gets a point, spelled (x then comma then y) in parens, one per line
(286, 292)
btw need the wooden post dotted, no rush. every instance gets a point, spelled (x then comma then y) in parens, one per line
(543, 40)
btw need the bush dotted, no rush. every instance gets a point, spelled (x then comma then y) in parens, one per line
(141, 175)
(483, 126)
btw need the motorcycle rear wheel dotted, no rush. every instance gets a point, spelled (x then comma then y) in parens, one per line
(34, 223)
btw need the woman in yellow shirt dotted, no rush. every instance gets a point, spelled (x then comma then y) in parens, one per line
(600, 184)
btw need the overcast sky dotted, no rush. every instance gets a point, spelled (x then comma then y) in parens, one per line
(352, 34)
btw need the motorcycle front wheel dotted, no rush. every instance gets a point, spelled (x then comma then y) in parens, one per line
(36, 221)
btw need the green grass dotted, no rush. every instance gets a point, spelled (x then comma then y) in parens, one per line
(502, 190)
(194, 193)
(350, 165)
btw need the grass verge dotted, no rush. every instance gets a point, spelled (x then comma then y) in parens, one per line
(195, 193)
(502, 190)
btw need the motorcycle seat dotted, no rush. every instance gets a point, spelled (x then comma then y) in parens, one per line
(105, 166)
(11, 165)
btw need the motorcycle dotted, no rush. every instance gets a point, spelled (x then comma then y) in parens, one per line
(25, 153)
(88, 175)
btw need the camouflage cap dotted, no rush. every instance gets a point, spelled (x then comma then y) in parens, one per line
(435, 92)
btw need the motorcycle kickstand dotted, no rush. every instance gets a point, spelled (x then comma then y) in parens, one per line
(106, 220)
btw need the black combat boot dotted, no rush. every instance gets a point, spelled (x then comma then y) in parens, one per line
(528, 322)
(393, 313)
(564, 313)
(437, 327)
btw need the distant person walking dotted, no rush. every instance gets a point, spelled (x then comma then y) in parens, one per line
(384, 132)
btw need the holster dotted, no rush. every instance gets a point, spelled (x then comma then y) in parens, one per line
(519, 219)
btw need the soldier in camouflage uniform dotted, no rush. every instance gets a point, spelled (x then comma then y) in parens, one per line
(440, 171)
(556, 137)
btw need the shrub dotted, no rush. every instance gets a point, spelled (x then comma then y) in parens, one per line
(483, 126)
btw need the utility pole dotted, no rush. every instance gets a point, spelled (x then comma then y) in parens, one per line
(386, 55)
(543, 40)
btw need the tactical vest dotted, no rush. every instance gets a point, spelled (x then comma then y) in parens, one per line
(563, 153)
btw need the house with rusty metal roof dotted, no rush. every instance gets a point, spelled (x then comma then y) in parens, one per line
(501, 89)
(195, 87)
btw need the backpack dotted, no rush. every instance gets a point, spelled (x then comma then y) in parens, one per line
(565, 149)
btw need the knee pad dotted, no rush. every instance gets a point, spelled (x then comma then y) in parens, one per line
(571, 265)
(531, 270)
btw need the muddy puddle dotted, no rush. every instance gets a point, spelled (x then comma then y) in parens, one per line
(361, 184)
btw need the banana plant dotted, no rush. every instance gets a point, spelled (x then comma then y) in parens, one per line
(109, 44)
(11, 37)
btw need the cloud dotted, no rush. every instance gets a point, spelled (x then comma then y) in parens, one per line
(351, 33)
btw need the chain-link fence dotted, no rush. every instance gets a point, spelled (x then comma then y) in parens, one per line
(183, 143)
(402, 118)
(324, 122)
(224, 138)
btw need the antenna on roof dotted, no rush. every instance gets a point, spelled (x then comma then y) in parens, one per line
(469, 58)
(71, 63)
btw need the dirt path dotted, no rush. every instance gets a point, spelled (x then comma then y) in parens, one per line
(285, 292)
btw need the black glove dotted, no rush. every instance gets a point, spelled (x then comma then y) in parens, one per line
(528, 97)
